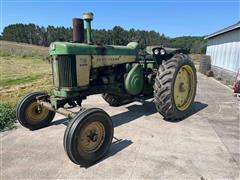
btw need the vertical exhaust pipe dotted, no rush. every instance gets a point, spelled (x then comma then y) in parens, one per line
(88, 17)
(78, 30)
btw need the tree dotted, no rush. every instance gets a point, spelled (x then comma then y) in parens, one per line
(33, 34)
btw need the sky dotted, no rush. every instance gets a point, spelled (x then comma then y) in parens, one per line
(172, 18)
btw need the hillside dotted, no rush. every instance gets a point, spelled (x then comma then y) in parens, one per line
(23, 69)
(8, 48)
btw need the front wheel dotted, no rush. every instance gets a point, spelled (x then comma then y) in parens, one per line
(32, 115)
(175, 87)
(88, 137)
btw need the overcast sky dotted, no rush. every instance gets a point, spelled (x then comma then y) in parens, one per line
(173, 18)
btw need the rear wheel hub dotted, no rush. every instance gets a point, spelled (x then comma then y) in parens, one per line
(184, 87)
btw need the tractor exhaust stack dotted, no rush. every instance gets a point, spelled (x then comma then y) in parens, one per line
(78, 30)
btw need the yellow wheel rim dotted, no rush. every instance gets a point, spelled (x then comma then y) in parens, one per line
(36, 113)
(184, 87)
(91, 137)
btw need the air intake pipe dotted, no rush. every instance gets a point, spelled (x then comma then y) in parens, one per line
(88, 17)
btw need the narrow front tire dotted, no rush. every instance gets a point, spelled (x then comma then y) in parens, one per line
(32, 115)
(88, 137)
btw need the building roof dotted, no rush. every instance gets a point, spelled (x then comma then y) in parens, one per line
(222, 31)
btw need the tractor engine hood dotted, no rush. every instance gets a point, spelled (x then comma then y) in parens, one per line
(68, 48)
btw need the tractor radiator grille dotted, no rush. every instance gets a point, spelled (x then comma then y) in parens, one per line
(66, 67)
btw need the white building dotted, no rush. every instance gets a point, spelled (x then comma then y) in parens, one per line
(224, 49)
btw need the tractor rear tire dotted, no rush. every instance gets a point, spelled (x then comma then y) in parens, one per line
(175, 87)
(88, 136)
(32, 115)
(115, 100)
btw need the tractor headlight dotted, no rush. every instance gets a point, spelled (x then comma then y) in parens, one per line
(156, 51)
(162, 52)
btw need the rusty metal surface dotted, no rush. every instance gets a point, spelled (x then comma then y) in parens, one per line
(62, 111)
(78, 30)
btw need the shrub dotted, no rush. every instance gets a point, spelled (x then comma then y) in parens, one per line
(7, 116)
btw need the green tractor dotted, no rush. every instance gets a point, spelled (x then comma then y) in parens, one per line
(121, 74)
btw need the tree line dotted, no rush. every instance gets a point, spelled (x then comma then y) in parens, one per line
(38, 35)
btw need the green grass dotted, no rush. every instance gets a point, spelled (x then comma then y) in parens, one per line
(11, 49)
(20, 76)
(9, 56)
(7, 116)
(19, 80)
(22, 70)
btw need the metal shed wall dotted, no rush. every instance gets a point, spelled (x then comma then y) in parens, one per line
(224, 50)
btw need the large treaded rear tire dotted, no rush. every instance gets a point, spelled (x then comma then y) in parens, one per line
(115, 100)
(164, 87)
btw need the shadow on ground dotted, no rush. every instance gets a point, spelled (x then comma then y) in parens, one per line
(196, 107)
(148, 108)
(136, 111)
(64, 121)
(117, 146)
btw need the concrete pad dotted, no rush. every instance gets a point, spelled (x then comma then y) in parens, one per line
(204, 145)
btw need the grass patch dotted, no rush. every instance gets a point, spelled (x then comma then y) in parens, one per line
(7, 116)
(14, 49)
(9, 56)
(22, 70)
(20, 76)
(20, 80)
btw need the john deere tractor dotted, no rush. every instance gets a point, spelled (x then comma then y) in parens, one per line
(121, 74)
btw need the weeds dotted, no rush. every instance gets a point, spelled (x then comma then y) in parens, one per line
(7, 116)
